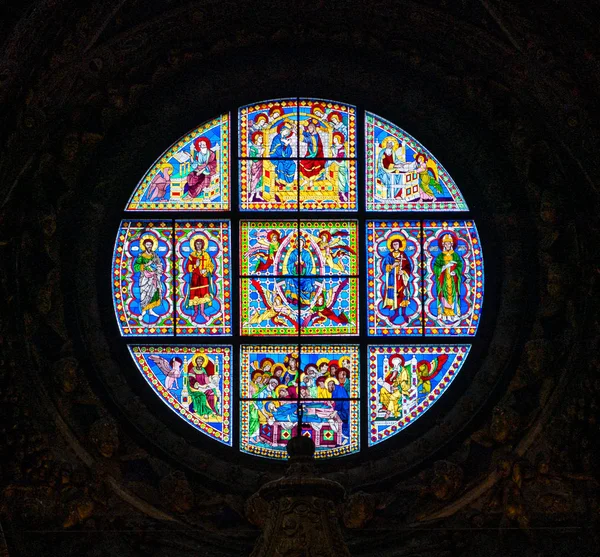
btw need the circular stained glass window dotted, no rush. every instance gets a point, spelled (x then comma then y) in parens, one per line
(313, 275)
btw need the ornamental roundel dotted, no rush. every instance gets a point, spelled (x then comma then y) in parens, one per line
(324, 289)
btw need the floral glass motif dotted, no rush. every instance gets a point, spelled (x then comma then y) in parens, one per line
(405, 381)
(394, 278)
(193, 174)
(402, 175)
(276, 379)
(143, 278)
(453, 278)
(297, 151)
(194, 381)
(203, 284)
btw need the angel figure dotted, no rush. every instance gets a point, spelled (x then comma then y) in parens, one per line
(322, 310)
(267, 245)
(171, 369)
(426, 371)
(332, 248)
(428, 177)
(277, 310)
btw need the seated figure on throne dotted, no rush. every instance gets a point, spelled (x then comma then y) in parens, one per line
(312, 168)
(391, 166)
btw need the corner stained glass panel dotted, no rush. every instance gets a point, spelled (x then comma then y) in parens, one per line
(402, 175)
(193, 174)
(394, 278)
(453, 278)
(143, 278)
(405, 381)
(275, 376)
(193, 381)
(203, 285)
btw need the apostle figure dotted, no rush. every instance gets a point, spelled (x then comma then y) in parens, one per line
(448, 268)
(150, 269)
(394, 385)
(313, 167)
(341, 405)
(203, 388)
(204, 165)
(396, 270)
(281, 148)
(201, 268)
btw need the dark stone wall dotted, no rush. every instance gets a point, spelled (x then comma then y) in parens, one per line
(505, 95)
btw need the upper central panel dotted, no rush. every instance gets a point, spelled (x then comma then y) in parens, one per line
(297, 154)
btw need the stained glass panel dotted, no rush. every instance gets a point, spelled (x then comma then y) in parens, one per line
(269, 306)
(265, 370)
(394, 278)
(266, 247)
(332, 247)
(325, 370)
(453, 278)
(328, 185)
(328, 306)
(405, 381)
(194, 381)
(203, 286)
(402, 175)
(267, 185)
(269, 129)
(335, 124)
(193, 174)
(267, 426)
(143, 278)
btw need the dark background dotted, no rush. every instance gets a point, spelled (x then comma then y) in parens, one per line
(503, 93)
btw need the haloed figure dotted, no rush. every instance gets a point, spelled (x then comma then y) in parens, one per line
(150, 269)
(201, 268)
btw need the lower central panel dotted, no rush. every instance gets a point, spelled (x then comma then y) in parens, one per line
(320, 381)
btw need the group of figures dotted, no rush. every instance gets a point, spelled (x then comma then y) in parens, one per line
(428, 278)
(145, 267)
(194, 381)
(193, 174)
(291, 253)
(278, 384)
(289, 145)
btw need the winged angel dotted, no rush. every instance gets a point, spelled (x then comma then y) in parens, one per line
(172, 370)
(277, 310)
(322, 310)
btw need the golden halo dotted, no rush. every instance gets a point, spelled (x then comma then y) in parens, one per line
(332, 380)
(398, 237)
(164, 165)
(322, 361)
(345, 362)
(148, 236)
(387, 140)
(204, 359)
(198, 236)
